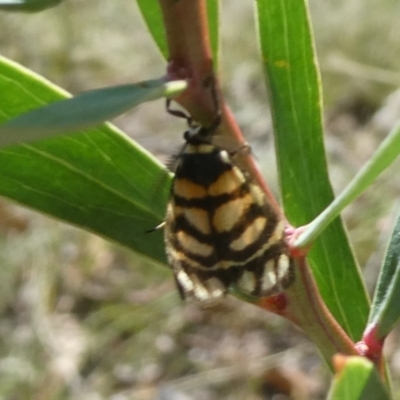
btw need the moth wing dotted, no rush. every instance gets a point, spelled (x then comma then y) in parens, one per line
(191, 282)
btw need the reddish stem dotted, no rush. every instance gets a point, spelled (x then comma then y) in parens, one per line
(371, 346)
(304, 307)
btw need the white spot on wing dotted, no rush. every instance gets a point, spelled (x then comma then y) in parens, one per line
(247, 282)
(283, 266)
(185, 281)
(269, 279)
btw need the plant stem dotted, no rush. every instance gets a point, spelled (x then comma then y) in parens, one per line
(386, 153)
(304, 307)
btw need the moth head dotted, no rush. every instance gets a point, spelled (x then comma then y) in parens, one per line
(197, 134)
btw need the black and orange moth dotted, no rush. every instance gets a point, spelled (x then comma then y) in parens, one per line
(220, 230)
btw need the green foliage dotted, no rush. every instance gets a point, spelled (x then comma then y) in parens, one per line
(291, 68)
(96, 179)
(385, 310)
(151, 13)
(358, 380)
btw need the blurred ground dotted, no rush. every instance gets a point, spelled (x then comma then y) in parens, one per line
(84, 319)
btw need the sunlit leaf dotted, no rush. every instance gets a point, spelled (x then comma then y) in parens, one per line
(97, 179)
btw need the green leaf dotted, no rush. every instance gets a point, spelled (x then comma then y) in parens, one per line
(358, 380)
(385, 310)
(152, 15)
(97, 179)
(28, 5)
(86, 110)
(290, 65)
(213, 27)
(384, 155)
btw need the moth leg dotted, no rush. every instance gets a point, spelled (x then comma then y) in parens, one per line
(210, 81)
(178, 113)
(243, 150)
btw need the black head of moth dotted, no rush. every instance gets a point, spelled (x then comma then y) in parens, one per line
(220, 230)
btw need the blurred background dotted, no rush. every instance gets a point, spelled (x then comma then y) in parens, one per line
(81, 318)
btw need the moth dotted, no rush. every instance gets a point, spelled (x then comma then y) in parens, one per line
(220, 230)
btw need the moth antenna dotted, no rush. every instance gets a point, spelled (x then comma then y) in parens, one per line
(156, 228)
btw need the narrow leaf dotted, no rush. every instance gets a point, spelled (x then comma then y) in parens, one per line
(97, 179)
(383, 157)
(358, 380)
(385, 310)
(290, 65)
(83, 111)
(28, 5)
(151, 13)
(213, 27)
